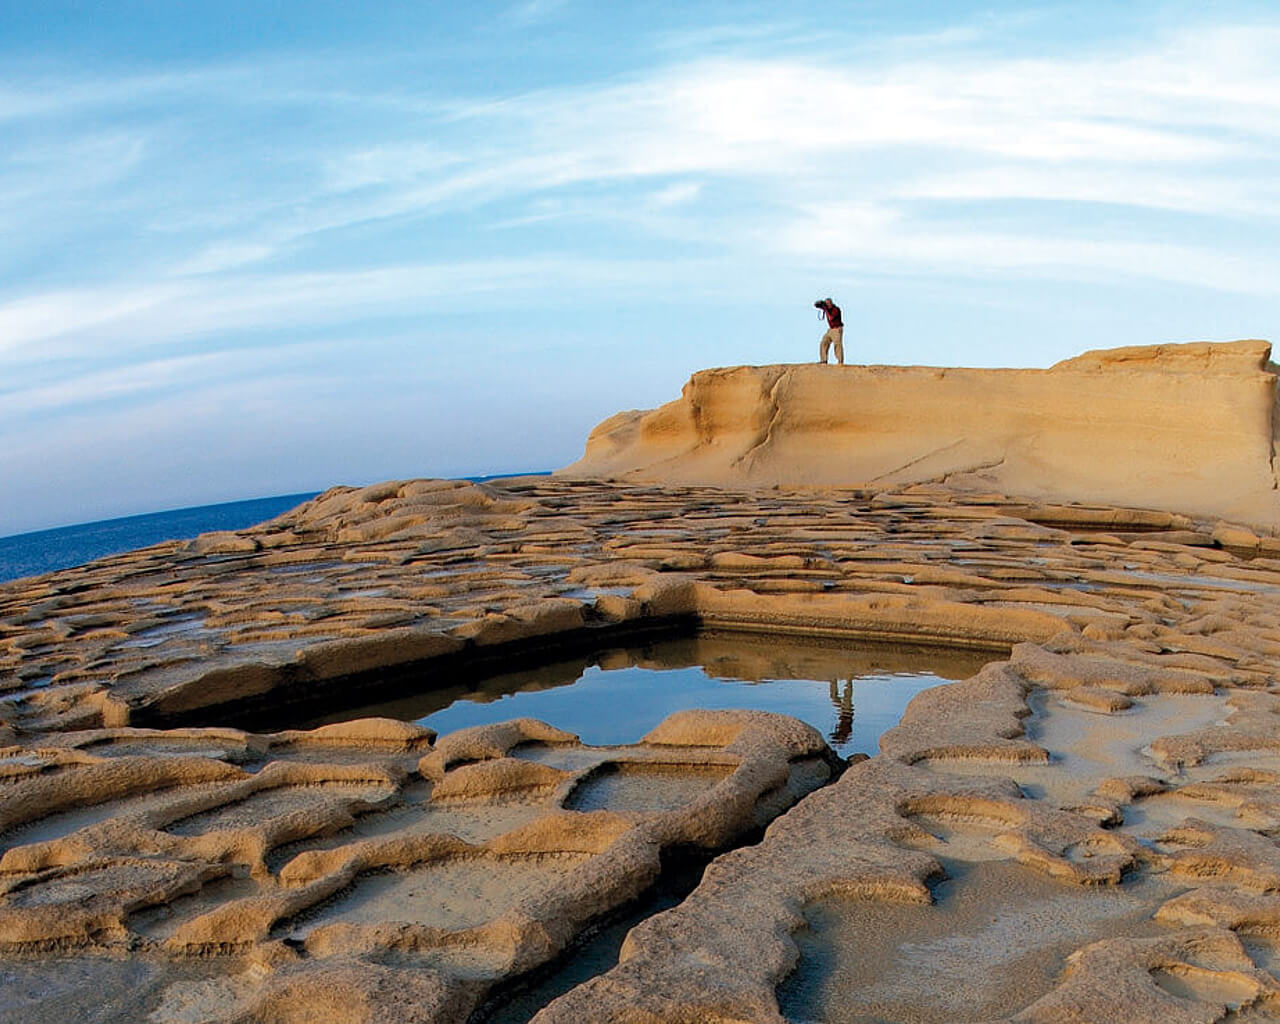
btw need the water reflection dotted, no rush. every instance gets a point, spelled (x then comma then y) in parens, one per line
(616, 694)
(844, 712)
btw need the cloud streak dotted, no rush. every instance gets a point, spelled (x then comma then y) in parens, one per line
(1188, 126)
(142, 315)
(175, 226)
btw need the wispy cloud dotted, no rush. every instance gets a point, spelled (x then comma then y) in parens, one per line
(1188, 124)
(136, 316)
(164, 228)
(219, 256)
(865, 237)
(138, 380)
(1173, 128)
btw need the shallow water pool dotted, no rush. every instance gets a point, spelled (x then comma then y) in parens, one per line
(850, 693)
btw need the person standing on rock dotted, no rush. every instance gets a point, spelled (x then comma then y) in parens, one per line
(835, 332)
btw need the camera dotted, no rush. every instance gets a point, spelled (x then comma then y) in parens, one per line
(818, 304)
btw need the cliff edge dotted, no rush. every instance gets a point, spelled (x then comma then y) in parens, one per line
(1188, 428)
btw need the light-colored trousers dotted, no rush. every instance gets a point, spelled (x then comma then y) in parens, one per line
(835, 337)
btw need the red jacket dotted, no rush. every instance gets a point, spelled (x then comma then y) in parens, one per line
(832, 312)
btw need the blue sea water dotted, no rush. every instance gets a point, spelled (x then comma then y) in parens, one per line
(29, 554)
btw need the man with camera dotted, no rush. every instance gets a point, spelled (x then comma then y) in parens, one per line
(835, 332)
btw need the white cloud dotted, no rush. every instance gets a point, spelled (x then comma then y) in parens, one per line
(1215, 192)
(387, 164)
(133, 316)
(1188, 125)
(872, 239)
(50, 315)
(160, 375)
(211, 215)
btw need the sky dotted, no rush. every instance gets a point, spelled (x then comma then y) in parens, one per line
(262, 247)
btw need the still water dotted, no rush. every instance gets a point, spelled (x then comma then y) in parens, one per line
(850, 693)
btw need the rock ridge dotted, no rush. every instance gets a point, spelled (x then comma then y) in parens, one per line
(1182, 427)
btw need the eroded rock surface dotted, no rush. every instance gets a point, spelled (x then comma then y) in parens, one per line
(1117, 762)
(404, 886)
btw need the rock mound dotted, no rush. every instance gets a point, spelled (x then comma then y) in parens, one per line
(1179, 427)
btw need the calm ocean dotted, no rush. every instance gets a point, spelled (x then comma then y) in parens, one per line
(29, 554)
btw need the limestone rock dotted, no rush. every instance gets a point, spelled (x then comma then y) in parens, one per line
(1186, 428)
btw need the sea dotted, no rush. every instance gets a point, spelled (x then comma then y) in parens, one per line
(29, 554)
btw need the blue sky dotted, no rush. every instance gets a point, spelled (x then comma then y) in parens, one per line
(253, 248)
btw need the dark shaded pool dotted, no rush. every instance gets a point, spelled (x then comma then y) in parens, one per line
(850, 693)
(596, 951)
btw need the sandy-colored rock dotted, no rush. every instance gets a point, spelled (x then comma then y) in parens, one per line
(363, 733)
(513, 901)
(1186, 428)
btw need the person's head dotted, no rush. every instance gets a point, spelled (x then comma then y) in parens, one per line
(822, 304)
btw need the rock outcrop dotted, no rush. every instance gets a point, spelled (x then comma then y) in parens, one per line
(1187, 428)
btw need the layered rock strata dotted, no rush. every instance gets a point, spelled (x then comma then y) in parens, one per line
(1188, 428)
(1128, 735)
(358, 859)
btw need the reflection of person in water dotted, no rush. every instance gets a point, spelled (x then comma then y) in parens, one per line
(844, 711)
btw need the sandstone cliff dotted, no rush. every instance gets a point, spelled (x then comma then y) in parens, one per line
(1189, 428)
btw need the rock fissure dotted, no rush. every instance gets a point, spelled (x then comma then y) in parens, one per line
(977, 467)
(774, 407)
(917, 460)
